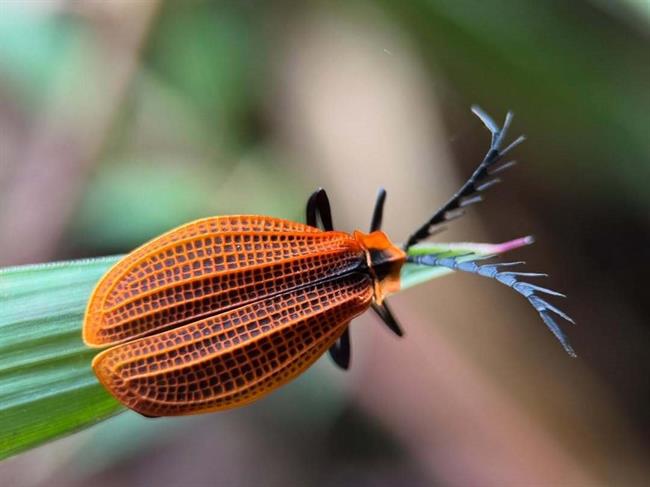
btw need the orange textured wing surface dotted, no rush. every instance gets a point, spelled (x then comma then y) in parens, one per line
(236, 357)
(209, 266)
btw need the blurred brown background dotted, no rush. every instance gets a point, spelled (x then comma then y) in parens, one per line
(122, 119)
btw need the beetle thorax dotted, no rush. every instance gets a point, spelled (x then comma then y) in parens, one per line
(385, 261)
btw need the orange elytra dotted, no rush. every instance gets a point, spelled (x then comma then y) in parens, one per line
(221, 311)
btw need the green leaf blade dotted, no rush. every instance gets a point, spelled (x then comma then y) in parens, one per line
(47, 387)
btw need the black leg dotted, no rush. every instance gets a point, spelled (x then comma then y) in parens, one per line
(311, 209)
(386, 315)
(378, 212)
(340, 351)
(478, 181)
(318, 206)
(324, 211)
(382, 310)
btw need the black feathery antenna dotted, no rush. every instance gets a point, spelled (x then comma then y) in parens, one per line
(478, 182)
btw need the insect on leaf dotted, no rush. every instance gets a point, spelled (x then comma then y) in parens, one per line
(47, 387)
